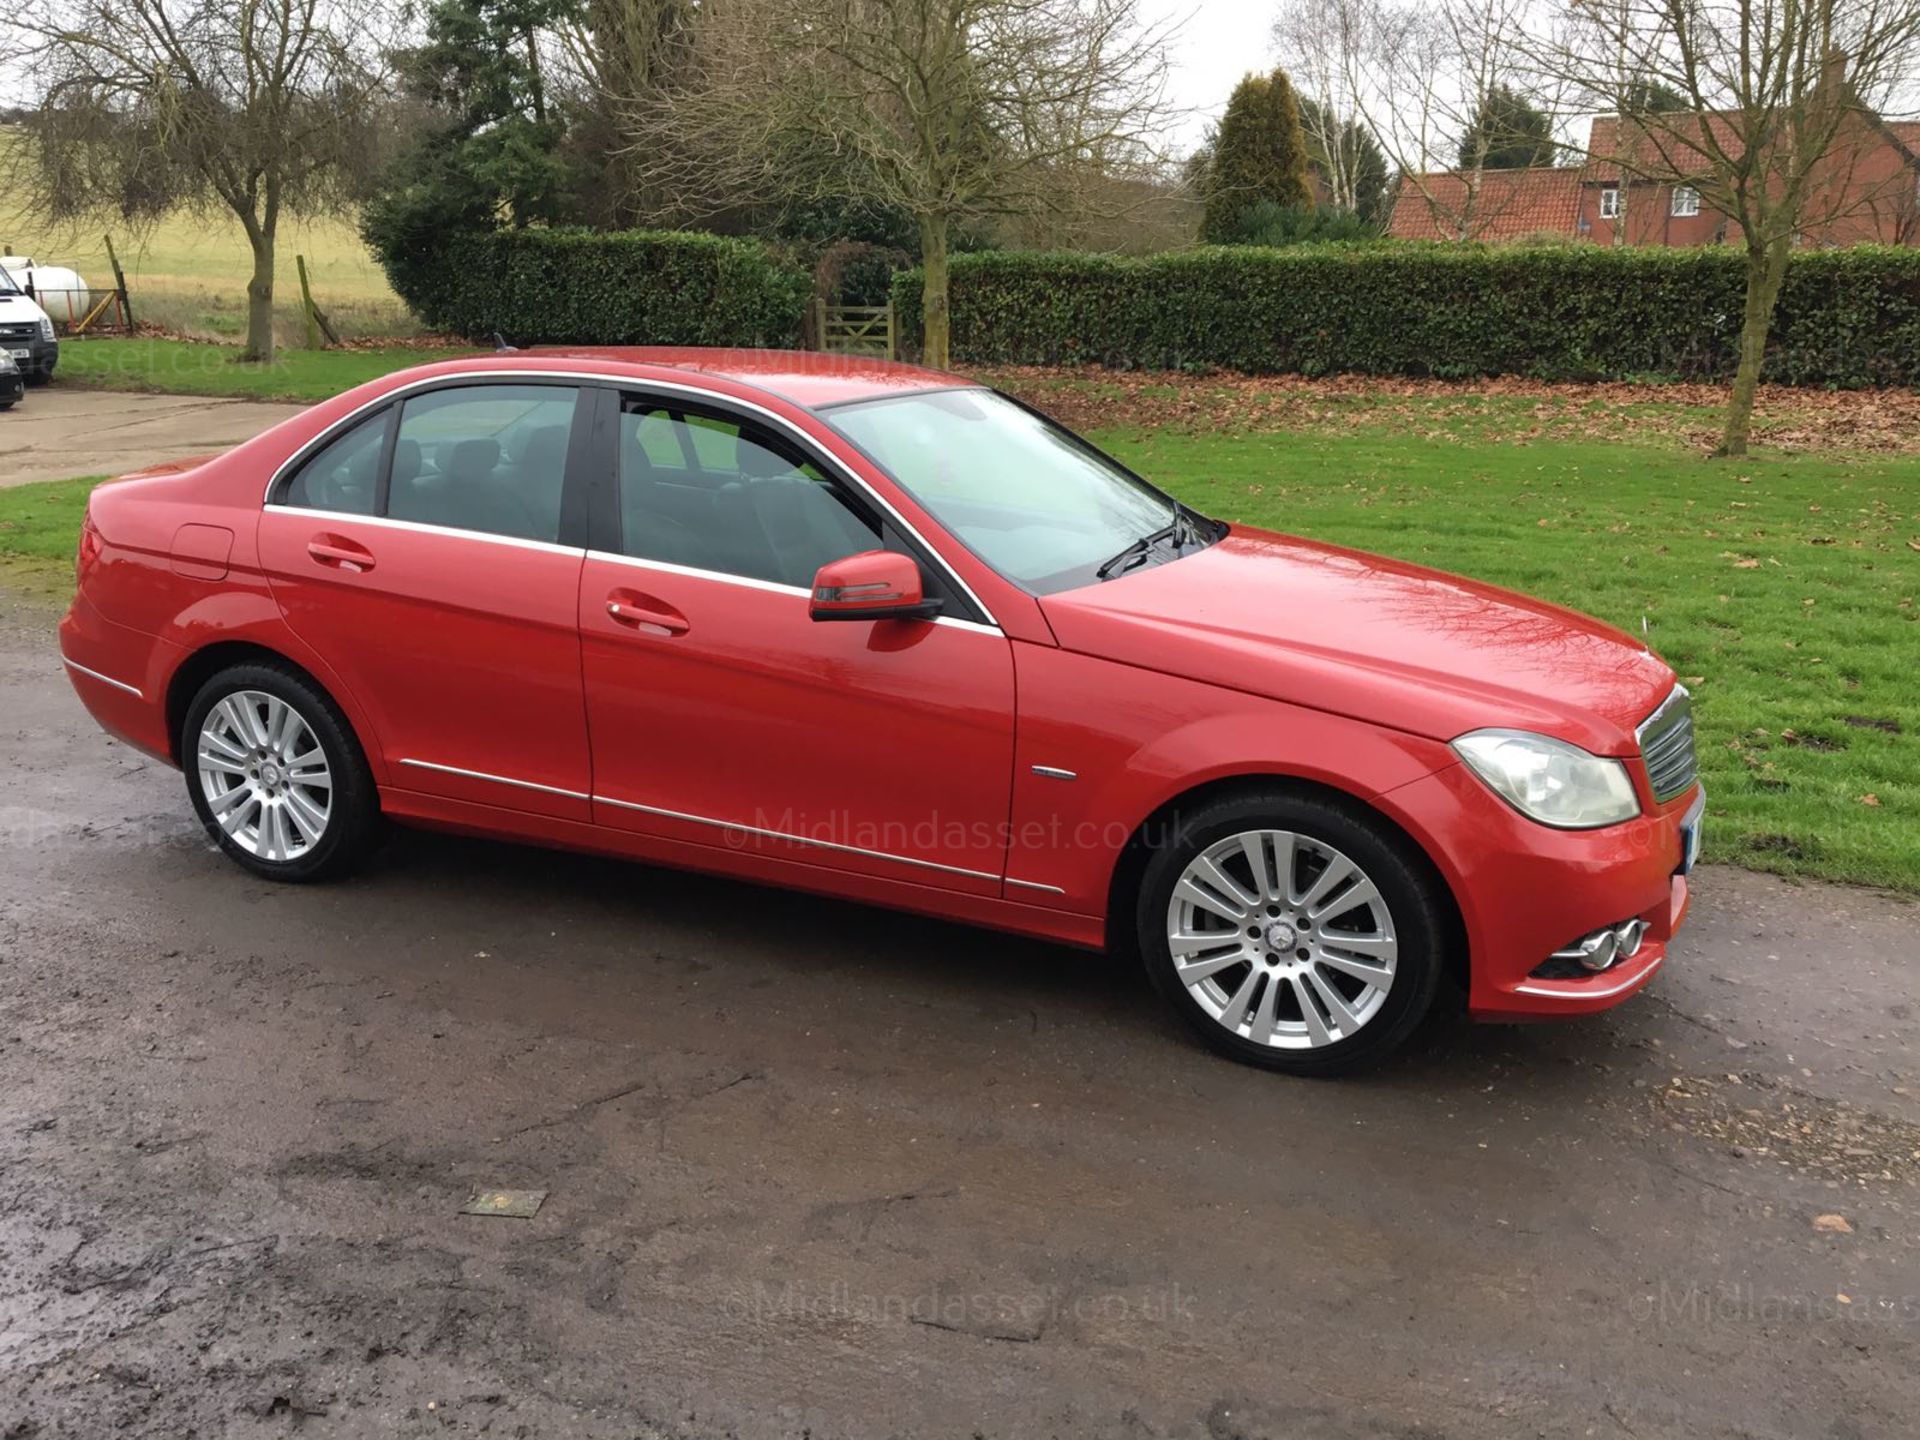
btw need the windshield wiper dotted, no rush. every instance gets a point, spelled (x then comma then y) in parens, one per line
(1184, 529)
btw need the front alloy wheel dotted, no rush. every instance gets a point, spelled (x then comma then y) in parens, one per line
(1294, 931)
(1282, 939)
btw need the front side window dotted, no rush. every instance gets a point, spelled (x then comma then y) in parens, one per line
(1035, 502)
(345, 475)
(1610, 206)
(490, 458)
(1686, 200)
(713, 493)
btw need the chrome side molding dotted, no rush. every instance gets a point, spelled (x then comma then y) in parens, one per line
(132, 690)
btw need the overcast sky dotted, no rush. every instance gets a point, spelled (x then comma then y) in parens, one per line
(1218, 42)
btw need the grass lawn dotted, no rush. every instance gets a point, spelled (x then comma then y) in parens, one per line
(185, 367)
(1786, 589)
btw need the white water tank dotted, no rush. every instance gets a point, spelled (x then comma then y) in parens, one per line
(59, 290)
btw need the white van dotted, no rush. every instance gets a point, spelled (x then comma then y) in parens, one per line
(26, 331)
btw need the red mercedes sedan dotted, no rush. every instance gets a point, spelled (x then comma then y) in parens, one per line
(883, 633)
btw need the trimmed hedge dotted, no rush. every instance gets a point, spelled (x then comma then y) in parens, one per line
(584, 287)
(1576, 312)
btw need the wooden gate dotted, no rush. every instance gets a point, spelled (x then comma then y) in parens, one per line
(854, 329)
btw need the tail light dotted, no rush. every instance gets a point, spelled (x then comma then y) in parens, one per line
(89, 547)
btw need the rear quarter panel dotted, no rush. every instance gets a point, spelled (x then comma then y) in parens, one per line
(147, 604)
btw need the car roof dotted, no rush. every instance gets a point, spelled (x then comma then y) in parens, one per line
(810, 378)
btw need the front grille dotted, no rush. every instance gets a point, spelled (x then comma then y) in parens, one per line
(1666, 744)
(19, 332)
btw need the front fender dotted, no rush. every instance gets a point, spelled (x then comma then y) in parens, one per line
(1136, 740)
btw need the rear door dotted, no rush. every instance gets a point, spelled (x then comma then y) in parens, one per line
(431, 553)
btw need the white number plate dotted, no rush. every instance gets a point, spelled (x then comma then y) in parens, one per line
(21, 354)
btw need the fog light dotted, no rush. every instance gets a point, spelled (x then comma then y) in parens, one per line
(1596, 952)
(1603, 949)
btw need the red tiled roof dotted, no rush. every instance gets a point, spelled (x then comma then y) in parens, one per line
(1669, 144)
(1509, 204)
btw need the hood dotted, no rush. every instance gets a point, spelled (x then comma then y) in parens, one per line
(1357, 634)
(19, 307)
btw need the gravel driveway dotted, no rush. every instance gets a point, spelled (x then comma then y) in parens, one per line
(58, 432)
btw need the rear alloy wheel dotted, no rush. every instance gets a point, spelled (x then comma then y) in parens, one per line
(275, 776)
(1292, 932)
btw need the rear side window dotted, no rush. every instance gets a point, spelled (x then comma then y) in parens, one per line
(490, 458)
(345, 475)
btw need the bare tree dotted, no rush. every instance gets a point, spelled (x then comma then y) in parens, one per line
(1778, 128)
(264, 108)
(954, 111)
(1329, 48)
(1420, 74)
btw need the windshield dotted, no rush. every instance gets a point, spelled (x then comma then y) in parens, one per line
(1037, 503)
(7, 285)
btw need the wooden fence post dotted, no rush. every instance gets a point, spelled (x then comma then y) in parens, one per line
(120, 283)
(316, 318)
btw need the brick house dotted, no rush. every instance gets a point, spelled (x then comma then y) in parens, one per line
(1866, 189)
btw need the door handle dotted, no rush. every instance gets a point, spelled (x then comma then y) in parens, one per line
(654, 615)
(339, 552)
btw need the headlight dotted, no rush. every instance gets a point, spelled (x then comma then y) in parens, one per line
(46, 328)
(1549, 780)
(7, 367)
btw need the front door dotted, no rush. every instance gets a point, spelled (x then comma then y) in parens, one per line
(420, 554)
(722, 715)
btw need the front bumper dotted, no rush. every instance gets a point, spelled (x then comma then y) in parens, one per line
(13, 385)
(40, 357)
(1525, 890)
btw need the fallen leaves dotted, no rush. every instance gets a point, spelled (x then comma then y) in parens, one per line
(1832, 1225)
(1882, 421)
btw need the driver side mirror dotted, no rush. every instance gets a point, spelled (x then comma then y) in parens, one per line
(873, 585)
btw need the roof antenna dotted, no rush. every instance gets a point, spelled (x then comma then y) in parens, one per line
(500, 345)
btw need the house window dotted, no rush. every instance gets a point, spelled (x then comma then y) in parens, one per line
(1686, 201)
(1610, 206)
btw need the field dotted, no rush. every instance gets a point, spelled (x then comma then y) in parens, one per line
(188, 274)
(1784, 589)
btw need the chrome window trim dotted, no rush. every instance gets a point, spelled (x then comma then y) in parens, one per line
(714, 398)
(132, 690)
(496, 779)
(421, 527)
(772, 587)
(667, 567)
(791, 839)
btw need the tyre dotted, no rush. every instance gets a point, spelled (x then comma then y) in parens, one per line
(276, 775)
(37, 375)
(1291, 931)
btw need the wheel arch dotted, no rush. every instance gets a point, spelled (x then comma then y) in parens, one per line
(1131, 865)
(203, 664)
